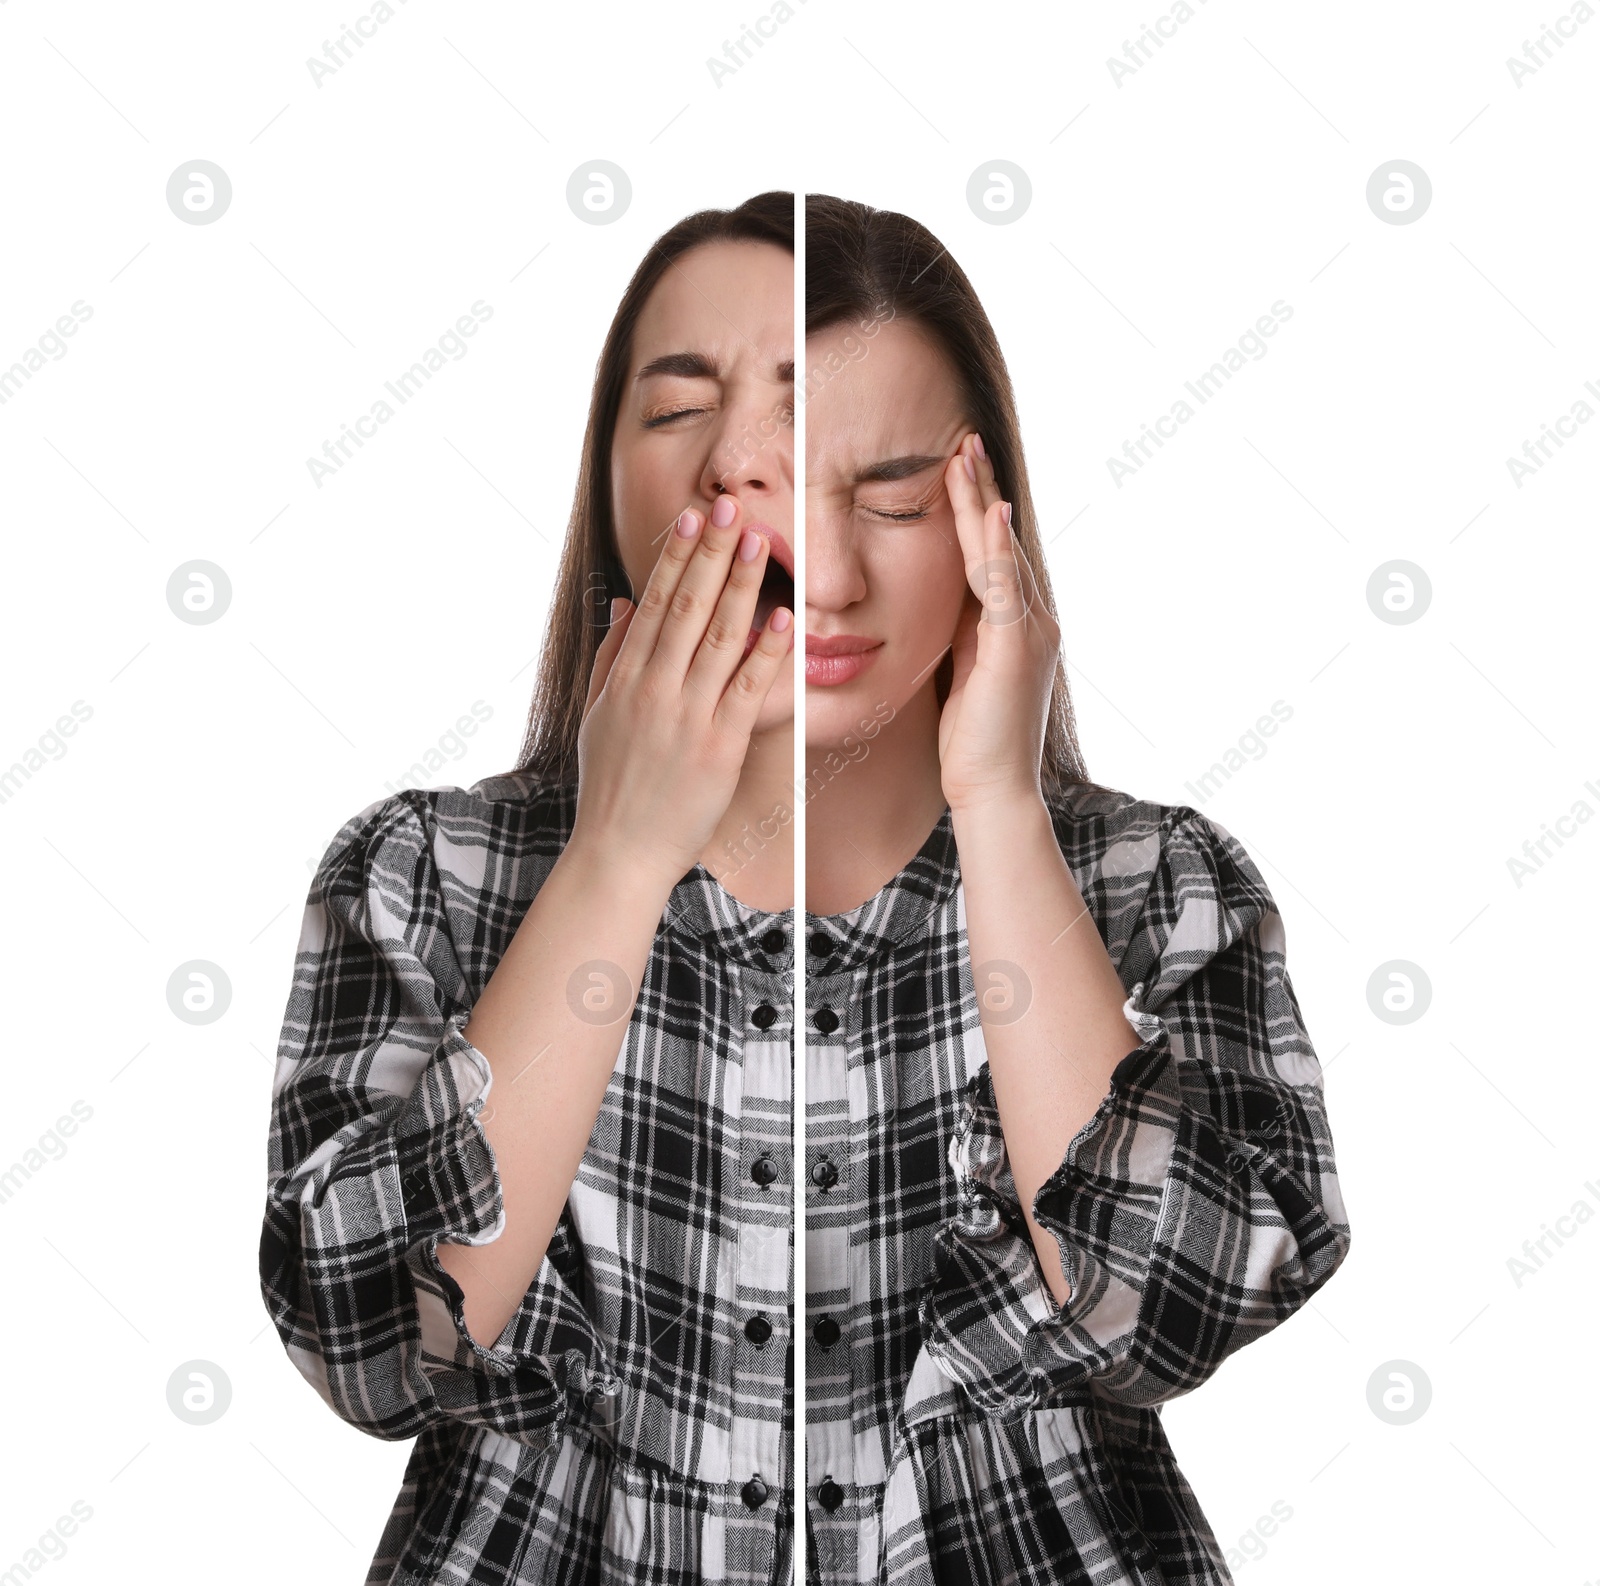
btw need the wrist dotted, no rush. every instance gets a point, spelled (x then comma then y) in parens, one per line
(606, 869)
(1000, 807)
(1010, 836)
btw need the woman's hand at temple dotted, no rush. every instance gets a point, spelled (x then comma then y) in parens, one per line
(991, 732)
(1052, 1069)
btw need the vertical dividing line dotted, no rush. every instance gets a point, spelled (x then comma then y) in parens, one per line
(797, 1332)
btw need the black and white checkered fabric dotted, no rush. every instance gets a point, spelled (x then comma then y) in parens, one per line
(634, 1420)
(959, 1428)
(628, 1425)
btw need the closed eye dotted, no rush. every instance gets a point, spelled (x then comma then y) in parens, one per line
(667, 418)
(898, 517)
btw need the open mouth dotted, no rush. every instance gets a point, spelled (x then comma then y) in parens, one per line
(777, 589)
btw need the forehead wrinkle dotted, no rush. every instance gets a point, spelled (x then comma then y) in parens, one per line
(672, 264)
(897, 470)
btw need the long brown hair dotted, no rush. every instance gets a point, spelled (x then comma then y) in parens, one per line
(865, 264)
(591, 570)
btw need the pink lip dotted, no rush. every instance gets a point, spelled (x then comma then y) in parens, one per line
(841, 644)
(838, 658)
(781, 553)
(827, 671)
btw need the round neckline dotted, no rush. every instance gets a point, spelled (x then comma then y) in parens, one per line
(897, 910)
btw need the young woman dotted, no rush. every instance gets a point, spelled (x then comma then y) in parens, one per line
(530, 1143)
(1068, 1137)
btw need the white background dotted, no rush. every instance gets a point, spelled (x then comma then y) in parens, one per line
(368, 614)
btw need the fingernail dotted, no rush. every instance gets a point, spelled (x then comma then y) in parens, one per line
(688, 523)
(749, 544)
(780, 620)
(1005, 513)
(977, 445)
(615, 602)
(725, 511)
(971, 467)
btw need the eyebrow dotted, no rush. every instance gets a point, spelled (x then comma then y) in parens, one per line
(697, 366)
(896, 468)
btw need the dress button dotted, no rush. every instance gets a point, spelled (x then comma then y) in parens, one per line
(830, 1495)
(774, 941)
(754, 1492)
(819, 944)
(826, 1332)
(824, 1174)
(764, 1017)
(763, 1170)
(758, 1330)
(826, 1020)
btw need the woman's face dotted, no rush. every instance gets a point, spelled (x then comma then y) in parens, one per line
(708, 410)
(883, 561)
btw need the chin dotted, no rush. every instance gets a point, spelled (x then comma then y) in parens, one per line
(834, 721)
(778, 708)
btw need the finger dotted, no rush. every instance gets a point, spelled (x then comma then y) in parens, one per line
(606, 655)
(655, 601)
(967, 504)
(722, 648)
(983, 466)
(694, 603)
(743, 698)
(985, 538)
(1033, 600)
(1008, 573)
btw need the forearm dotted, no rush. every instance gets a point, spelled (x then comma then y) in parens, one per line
(552, 1040)
(1051, 1064)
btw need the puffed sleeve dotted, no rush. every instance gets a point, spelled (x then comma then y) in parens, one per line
(1197, 1208)
(376, 1154)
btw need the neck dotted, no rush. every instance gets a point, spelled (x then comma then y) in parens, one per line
(863, 827)
(752, 850)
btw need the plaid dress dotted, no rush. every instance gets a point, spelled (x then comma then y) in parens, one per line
(631, 1422)
(959, 1426)
(634, 1421)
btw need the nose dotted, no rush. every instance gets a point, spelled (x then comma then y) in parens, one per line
(834, 574)
(747, 455)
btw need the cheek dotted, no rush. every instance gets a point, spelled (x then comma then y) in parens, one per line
(642, 502)
(921, 574)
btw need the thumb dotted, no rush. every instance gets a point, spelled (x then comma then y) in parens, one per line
(621, 610)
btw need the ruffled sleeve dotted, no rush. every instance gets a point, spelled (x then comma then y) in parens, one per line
(376, 1154)
(1197, 1208)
